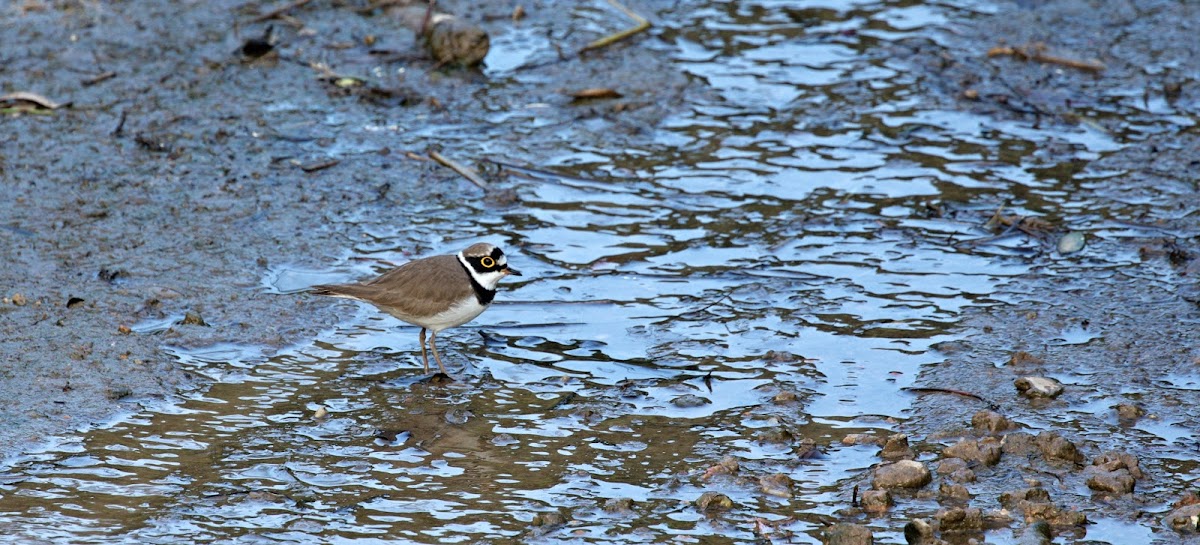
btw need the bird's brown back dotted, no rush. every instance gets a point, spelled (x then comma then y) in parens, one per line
(440, 280)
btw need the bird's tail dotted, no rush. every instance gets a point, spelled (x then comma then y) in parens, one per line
(348, 291)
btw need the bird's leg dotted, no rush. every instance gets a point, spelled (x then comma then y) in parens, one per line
(424, 33)
(433, 347)
(424, 357)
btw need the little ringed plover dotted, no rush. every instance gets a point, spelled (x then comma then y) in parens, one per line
(434, 293)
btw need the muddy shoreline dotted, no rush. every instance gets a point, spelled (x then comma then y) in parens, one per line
(142, 221)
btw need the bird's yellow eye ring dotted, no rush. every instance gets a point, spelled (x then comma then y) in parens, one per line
(487, 262)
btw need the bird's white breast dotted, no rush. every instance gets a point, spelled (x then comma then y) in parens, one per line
(458, 314)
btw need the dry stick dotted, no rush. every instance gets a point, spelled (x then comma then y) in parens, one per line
(382, 4)
(462, 170)
(949, 391)
(528, 171)
(279, 11)
(1036, 54)
(642, 24)
(320, 165)
(98, 78)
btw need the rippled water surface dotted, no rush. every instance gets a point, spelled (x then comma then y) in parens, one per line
(777, 235)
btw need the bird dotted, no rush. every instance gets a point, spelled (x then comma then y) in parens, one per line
(433, 293)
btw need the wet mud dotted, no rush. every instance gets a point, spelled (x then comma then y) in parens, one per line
(798, 282)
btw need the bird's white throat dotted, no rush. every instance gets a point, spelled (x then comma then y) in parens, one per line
(490, 279)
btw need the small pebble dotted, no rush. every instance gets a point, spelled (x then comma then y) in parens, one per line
(504, 440)
(862, 439)
(876, 501)
(953, 493)
(549, 519)
(1110, 482)
(1038, 387)
(619, 506)
(778, 436)
(896, 448)
(688, 401)
(1184, 519)
(902, 474)
(960, 519)
(785, 397)
(778, 485)
(727, 466)
(844, 533)
(1055, 447)
(1037, 533)
(713, 501)
(990, 422)
(458, 416)
(918, 532)
(192, 318)
(1071, 242)
(1128, 412)
(986, 451)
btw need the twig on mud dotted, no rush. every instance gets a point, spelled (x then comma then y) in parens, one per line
(279, 11)
(372, 6)
(320, 165)
(98, 78)
(120, 124)
(715, 303)
(1037, 52)
(642, 25)
(983, 240)
(527, 171)
(921, 390)
(1031, 226)
(461, 169)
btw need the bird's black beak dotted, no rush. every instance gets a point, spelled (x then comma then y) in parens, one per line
(512, 271)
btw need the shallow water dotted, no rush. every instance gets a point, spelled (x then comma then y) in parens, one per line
(774, 236)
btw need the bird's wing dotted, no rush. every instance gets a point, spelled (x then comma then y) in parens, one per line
(440, 279)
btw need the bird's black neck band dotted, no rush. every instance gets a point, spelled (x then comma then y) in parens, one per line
(482, 294)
